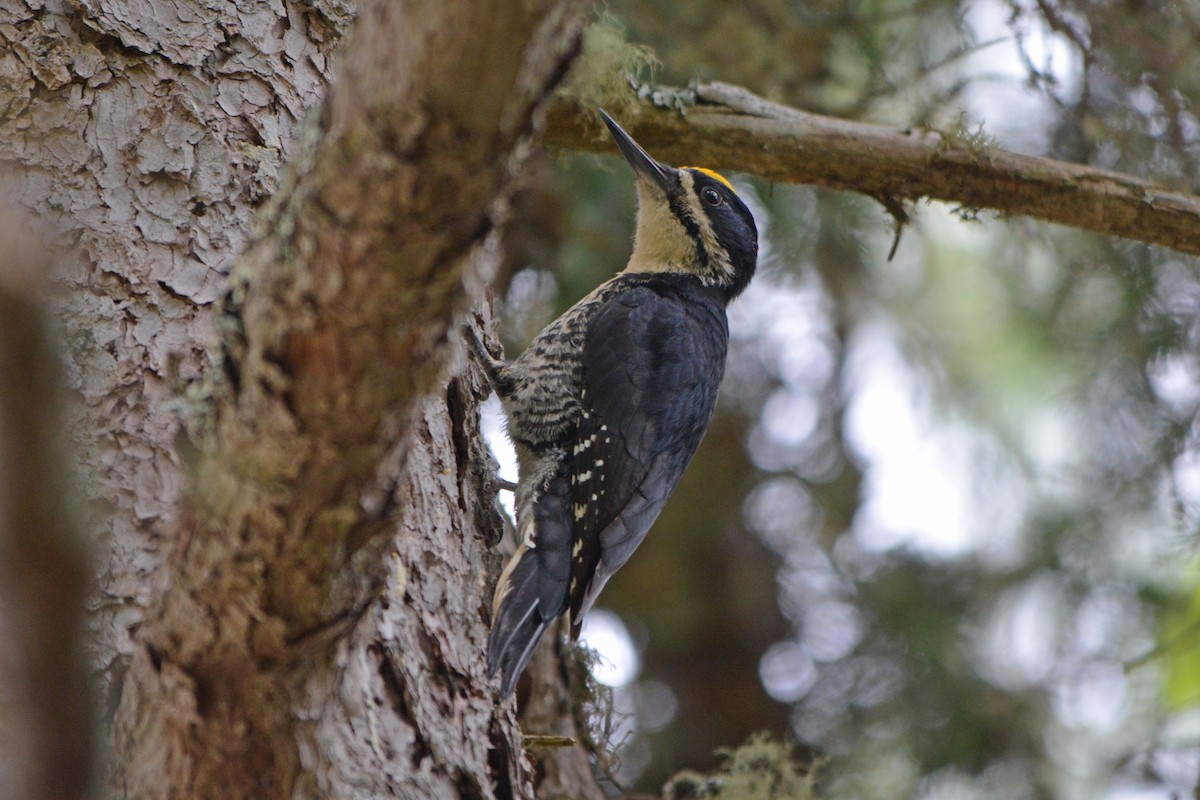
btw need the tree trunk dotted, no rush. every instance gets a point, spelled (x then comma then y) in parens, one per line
(149, 141)
(308, 618)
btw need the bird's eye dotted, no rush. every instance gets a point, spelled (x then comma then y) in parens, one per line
(710, 196)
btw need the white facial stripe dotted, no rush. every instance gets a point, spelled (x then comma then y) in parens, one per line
(718, 259)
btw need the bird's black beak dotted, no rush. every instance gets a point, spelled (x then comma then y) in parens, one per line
(643, 165)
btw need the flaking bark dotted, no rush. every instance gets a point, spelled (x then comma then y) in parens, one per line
(311, 623)
(147, 134)
(337, 330)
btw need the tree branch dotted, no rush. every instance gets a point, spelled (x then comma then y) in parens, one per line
(731, 128)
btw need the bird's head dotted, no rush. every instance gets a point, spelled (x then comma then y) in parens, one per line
(690, 220)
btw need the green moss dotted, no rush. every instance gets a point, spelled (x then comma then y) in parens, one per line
(761, 769)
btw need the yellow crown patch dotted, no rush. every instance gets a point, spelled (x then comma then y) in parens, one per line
(715, 176)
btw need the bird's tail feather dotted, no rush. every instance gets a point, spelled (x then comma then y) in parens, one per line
(519, 620)
(533, 588)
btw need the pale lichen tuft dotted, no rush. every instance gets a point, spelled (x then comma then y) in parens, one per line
(607, 69)
(761, 769)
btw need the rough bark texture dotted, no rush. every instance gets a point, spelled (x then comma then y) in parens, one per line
(147, 133)
(731, 128)
(337, 327)
(312, 622)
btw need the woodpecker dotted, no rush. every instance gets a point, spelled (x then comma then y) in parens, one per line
(608, 403)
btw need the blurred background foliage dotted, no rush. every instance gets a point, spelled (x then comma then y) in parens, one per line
(943, 531)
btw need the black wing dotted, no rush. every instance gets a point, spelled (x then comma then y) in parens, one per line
(652, 365)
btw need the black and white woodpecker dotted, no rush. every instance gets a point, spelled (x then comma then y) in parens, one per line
(607, 405)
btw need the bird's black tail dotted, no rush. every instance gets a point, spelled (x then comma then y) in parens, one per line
(533, 588)
(519, 622)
